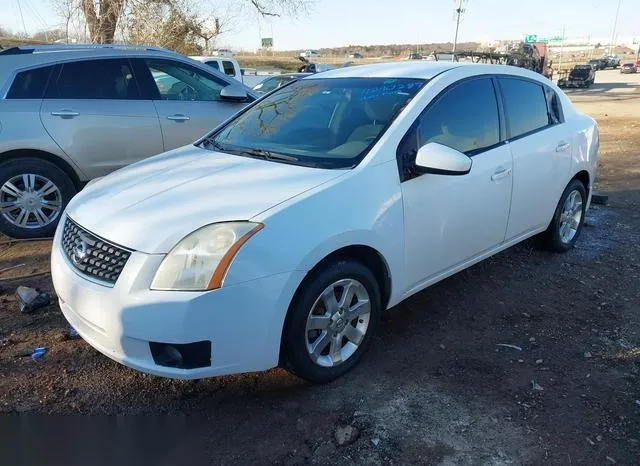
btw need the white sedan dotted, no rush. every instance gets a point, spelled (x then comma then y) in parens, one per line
(282, 236)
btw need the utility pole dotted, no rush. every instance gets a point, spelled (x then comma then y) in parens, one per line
(615, 26)
(459, 12)
(561, 50)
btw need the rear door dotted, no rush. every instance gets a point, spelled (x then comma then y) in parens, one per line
(94, 111)
(186, 98)
(541, 149)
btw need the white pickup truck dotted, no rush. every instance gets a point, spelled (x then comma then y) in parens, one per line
(226, 65)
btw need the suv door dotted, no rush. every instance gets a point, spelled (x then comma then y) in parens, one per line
(94, 112)
(187, 99)
(449, 220)
(541, 150)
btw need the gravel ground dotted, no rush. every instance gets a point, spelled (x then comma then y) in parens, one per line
(436, 386)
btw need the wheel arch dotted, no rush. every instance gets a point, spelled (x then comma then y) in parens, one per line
(584, 177)
(367, 255)
(59, 162)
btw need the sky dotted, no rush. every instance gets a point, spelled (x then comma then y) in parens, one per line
(331, 23)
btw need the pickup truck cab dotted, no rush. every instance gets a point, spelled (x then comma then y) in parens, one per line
(226, 65)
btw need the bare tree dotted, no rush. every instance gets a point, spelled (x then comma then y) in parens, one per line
(102, 16)
(67, 10)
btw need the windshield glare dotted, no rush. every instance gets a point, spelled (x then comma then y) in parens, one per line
(330, 123)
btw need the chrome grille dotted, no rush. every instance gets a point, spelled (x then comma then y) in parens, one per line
(92, 255)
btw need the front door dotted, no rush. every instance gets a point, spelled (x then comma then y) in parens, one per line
(94, 112)
(452, 219)
(187, 100)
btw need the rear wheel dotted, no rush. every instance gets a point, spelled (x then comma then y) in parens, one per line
(33, 195)
(566, 225)
(331, 321)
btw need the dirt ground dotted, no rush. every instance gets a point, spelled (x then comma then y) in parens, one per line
(436, 387)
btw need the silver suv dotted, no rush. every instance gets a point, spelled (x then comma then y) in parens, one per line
(69, 114)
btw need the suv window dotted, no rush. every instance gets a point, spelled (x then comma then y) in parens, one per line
(525, 106)
(30, 84)
(179, 81)
(228, 68)
(94, 79)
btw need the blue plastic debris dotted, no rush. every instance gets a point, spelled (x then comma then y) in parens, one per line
(38, 353)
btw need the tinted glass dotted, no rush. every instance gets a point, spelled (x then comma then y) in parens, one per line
(214, 64)
(228, 68)
(30, 84)
(94, 79)
(326, 122)
(525, 105)
(464, 118)
(553, 104)
(270, 84)
(177, 81)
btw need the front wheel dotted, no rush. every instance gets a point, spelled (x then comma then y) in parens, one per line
(331, 321)
(33, 195)
(568, 218)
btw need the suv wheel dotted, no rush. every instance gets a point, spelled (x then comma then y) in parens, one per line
(33, 195)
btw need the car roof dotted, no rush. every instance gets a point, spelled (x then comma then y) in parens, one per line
(421, 69)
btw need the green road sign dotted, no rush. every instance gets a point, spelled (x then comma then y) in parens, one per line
(531, 38)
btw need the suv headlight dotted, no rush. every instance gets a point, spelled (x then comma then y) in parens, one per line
(200, 260)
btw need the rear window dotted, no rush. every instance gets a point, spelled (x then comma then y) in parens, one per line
(228, 68)
(30, 84)
(214, 64)
(525, 105)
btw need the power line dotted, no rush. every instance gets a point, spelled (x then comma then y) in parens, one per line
(22, 17)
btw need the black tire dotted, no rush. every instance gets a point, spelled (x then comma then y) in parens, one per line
(296, 358)
(551, 238)
(42, 168)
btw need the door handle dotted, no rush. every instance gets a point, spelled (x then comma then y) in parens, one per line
(500, 173)
(178, 117)
(563, 146)
(65, 113)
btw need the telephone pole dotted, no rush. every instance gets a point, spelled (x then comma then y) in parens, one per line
(615, 26)
(459, 11)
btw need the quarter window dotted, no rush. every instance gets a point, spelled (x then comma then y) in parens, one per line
(554, 106)
(94, 79)
(30, 84)
(178, 81)
(525, 105)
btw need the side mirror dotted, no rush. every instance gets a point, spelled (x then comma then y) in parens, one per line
(442, 160)
(233, 92)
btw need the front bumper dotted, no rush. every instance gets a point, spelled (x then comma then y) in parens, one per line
(243, 322)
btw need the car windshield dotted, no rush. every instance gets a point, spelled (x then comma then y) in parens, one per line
(270, 84)
(329, 123)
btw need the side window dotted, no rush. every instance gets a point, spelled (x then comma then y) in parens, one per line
(94, 79)
(214, 64)
(229, 70)
(525, 106)
(554, 106)
(179, 81)
(464, 118)
(30, 84)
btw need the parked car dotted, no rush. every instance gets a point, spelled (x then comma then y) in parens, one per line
(415, 56)
(356, 55)
(598, 64)
(228, 66)
(309, 54)
(73, 113)
(629, 68)
(611, 61)
(274, 82)
(581, 76)
(282, 236)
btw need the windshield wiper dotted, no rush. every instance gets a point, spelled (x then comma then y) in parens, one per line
(268, 155)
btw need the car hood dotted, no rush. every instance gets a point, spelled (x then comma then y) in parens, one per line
(149, 206)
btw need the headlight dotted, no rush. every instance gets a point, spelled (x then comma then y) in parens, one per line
(200, 260)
